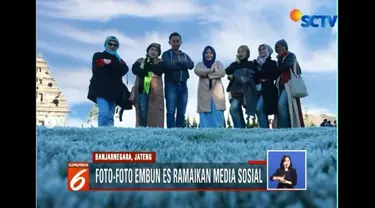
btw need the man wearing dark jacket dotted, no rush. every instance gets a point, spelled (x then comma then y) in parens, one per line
(177, 64)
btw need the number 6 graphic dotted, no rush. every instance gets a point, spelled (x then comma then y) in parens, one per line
(77, 177)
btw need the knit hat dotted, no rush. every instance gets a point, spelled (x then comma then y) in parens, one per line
(281, 42)
(156, 45)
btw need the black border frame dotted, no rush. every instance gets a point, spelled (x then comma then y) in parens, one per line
(341, 118)
(348, 96)
(25, 64)
(21, 116)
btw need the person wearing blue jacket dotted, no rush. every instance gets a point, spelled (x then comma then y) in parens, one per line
(177, 66)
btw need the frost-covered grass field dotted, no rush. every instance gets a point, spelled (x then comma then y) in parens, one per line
(55, 147)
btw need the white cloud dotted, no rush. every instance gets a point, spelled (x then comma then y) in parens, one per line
(74, 83)
(130, 48)
(104, 11)
(226, 27)
(226, 37)
(249, 27)
(313, 109)
(82, 53)
(85, 36)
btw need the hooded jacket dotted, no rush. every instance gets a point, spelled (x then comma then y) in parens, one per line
(177, 66)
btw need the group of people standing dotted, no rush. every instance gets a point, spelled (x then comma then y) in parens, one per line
(259, 86)
(327, 123)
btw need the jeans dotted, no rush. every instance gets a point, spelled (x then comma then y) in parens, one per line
(262, 118)
(176, 96)
(283, 110)
(143, 108)
(106, 112)
(236, 113)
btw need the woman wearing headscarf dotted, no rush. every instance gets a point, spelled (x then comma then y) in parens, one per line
(106, 86)
(211, 98)
(241, 87)
(289, 108)
(148, 86)
(265, 78)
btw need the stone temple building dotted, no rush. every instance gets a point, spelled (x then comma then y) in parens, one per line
(51, 105)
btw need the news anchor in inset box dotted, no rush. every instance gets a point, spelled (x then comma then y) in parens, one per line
(286, 174)
(287, 168)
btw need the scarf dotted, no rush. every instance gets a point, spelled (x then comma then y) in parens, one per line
(147, 79)
(262, 59)
(208, 63)
(113, 52)
(285, 76)
(282, 55)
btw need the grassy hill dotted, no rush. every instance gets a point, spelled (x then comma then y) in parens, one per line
(55, 147)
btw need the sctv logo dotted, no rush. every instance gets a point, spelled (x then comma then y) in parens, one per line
(314, 20)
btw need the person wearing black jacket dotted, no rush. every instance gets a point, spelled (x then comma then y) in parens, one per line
(265, 78)
(149, 97)
(286, 174)
(236, 89)
(106, 86)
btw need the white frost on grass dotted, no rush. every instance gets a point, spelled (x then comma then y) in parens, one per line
(57, 146)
